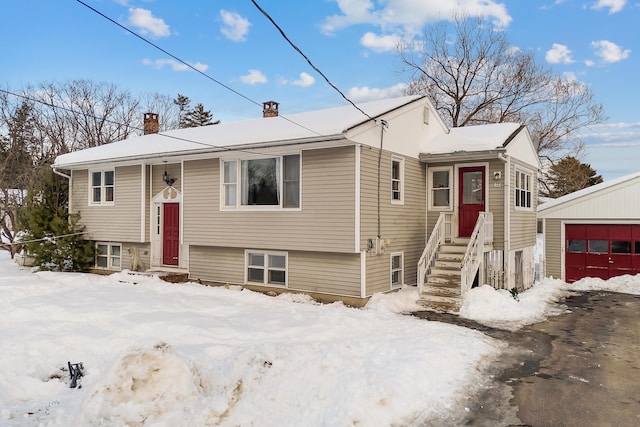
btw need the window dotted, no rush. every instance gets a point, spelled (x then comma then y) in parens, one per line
(272, 181)
(266, 268)
(108, 256)
(598, 246)
(102, 187)
(523, 190)
(577, 246)
(440, 182)
(397, 180)
(397, 262)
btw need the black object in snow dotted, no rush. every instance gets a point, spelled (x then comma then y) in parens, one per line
(76, 370)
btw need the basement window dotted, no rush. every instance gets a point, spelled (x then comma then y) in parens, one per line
(108, 256)
(397, 274)
(266, 268)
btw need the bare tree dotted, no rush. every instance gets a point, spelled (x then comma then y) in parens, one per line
(474, 75)
(168, 112)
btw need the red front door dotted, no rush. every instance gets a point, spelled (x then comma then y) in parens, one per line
(171, 234)
(470, 198)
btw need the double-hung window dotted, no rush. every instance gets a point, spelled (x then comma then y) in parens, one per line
(266, 268)
(523, 190)
(102, 191)
(397, 180)
(108, 256)
(440, 184)
(397, 276)
(269, 181)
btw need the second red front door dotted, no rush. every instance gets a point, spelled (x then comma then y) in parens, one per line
(471, 202)
(171, 234)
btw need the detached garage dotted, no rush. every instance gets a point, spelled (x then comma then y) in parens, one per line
(594, 232)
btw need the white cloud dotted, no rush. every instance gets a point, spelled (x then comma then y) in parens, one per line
(175, 65)
(613, 5)
(254, 77)
(363, 94)
(589, 63)
(411, 15)
(235, 26)
(380, 43)
(305, 80)
(559, 54)
(609, 51)
(144, 20)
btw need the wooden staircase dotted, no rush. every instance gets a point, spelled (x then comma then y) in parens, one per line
(442, 290)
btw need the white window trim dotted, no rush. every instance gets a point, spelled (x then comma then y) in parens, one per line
(238, 206)
(401, 180)
(266, 254)
(102, 202)
(431, 170)
(109, 255)
(530, 190)
(401, 269)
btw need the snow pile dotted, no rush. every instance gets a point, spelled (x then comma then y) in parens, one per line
(499, 308)
(626, 284)
(160, 354)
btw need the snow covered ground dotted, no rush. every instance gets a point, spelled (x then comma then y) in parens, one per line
(160, 354)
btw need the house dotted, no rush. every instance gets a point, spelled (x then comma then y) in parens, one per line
(593, 232)
(334, 203)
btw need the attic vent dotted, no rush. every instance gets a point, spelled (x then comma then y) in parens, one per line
(425, 115)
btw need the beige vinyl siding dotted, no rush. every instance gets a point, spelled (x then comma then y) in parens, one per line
(147, 204)
(496, 201)
(325, 222)
(523, 225)
(143, 249)
(217, 264)
(321, 272)
(553, 247)
(118, 222)
(174, 170)
(403, 225)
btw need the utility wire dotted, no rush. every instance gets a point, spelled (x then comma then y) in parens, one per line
(189, 65)
(297, 49)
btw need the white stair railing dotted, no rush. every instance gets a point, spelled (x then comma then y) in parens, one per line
(441, 232)
(475, 250)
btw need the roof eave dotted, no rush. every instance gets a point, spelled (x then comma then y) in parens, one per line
(457, 156)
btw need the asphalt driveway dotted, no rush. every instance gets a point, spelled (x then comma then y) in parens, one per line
(581, 368)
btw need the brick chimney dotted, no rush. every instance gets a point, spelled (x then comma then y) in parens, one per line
(151, 124)
(270, 109)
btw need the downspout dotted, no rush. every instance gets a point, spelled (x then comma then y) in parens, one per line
(507, 221)
(383, 126)
(68, 178)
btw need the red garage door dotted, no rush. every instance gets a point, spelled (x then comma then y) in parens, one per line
(601, 250)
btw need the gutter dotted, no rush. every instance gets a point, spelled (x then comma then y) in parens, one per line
(461, 155)
(57, 172)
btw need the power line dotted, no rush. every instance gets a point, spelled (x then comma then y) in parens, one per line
(229, 88)
(297, 49)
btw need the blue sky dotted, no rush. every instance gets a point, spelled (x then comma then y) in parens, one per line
(596, 42)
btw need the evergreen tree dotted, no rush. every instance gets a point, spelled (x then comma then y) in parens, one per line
(183, 106)
(569, 175)
(52, 234)
(199, 117)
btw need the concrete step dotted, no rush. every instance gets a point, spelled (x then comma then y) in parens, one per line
(451, 256)
(438, 291)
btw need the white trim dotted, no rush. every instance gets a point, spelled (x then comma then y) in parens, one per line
(452, 180)
(102, 202)
(391, 256)
(363, 274)
(357, 201)
(401, 180)
(529, 175)
(456, 191)
(270, 208)
(181, 208)
(143, 211)
(266, 254)
(109, 256)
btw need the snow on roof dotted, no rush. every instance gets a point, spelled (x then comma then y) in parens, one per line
(312, 124)
(472, 138)
(586, 191)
